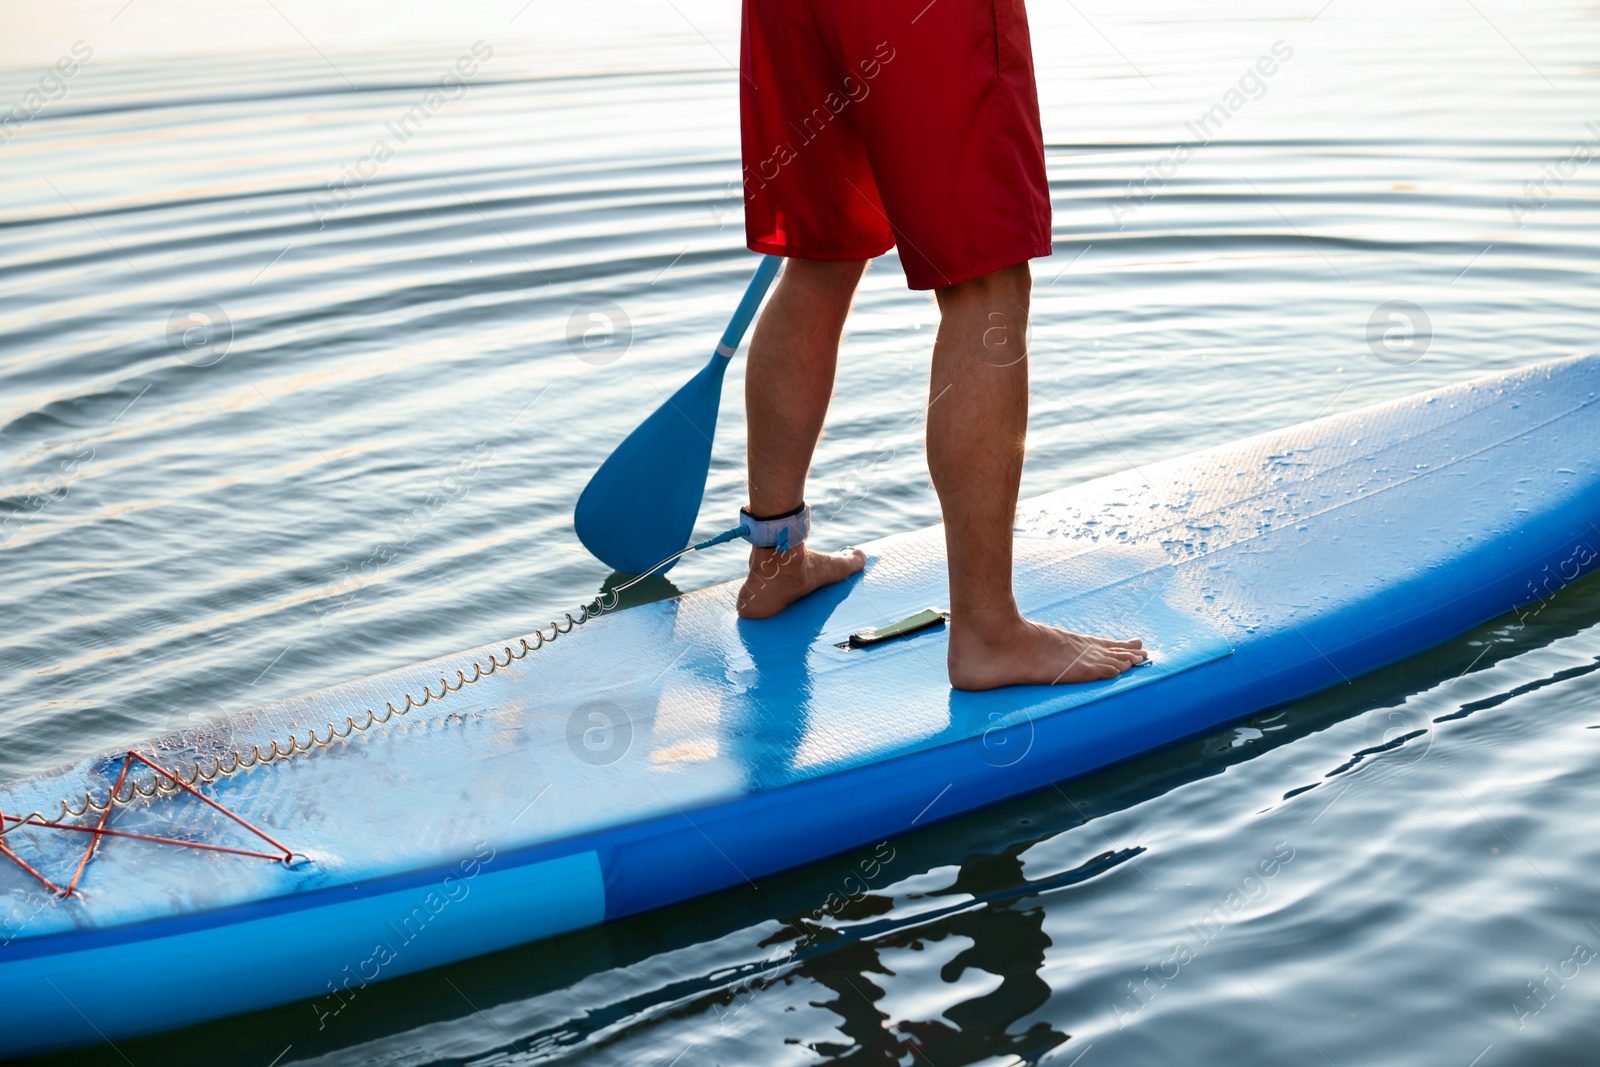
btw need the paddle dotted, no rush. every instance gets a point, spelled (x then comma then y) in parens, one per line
(641, 505)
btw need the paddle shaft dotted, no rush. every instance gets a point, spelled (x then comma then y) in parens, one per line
(748, 305)
(639, 509)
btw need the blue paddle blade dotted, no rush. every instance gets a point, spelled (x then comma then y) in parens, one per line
(641, 505)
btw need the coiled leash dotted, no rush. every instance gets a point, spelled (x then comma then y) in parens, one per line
(782, 532)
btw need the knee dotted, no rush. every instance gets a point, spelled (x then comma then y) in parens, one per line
(825, 275)
(991, 313)
(1008, 286)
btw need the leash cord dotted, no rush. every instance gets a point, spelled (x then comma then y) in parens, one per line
(240, 759)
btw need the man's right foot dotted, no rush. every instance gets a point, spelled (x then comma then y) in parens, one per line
(1018, 651)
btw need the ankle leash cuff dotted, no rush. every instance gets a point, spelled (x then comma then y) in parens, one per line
(782, 532)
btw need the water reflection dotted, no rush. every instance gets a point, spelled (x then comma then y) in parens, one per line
(180, 572)
(1004, 941)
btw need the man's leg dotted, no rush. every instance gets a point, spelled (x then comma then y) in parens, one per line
(788, 383)
(977, 422)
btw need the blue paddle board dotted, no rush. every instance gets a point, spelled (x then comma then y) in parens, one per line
(536, 786)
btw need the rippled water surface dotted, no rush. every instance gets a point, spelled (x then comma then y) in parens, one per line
(222, 387)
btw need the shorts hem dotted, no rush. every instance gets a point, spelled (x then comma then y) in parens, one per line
(967, 274)
(829, 256)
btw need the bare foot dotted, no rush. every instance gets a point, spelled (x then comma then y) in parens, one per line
(1017, 651)
(778, 579)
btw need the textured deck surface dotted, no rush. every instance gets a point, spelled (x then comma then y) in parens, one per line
(668, 706)
(1310, 537)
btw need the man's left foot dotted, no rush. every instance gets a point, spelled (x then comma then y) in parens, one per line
(778, 579)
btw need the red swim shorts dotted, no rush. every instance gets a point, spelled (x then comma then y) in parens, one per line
(872, 123)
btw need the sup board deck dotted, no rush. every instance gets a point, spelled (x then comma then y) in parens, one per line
(673, 749)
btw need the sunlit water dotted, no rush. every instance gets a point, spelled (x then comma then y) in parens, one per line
(189, 507)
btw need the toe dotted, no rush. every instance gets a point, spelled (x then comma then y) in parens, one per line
(1119, 660)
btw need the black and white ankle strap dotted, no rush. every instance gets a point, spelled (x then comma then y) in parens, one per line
(782, 532)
